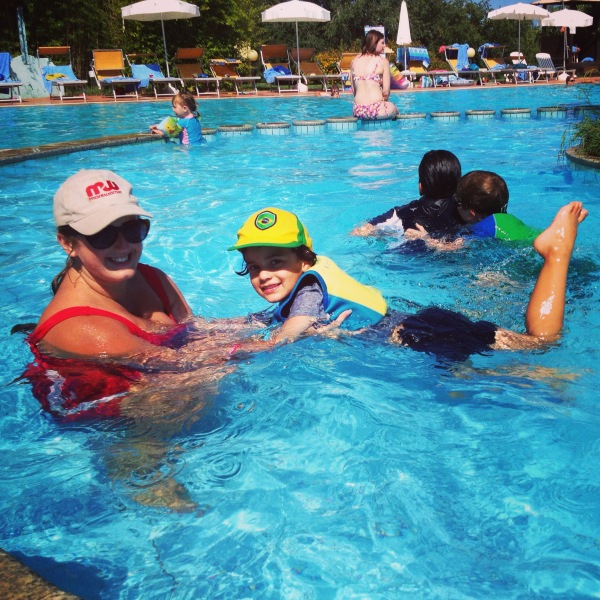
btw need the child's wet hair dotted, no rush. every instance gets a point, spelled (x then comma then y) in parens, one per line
(302, 253)
(439, 174)
(186, 99)
(484, 192)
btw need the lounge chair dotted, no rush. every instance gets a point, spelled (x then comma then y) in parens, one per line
(276, 63)
(145, 67)
(188, 64)
(60, 78)
(547, 68)
(458, 60)
(344, 67)
(7, 85)
(492, 56)
(415, 61)
(225, 69)
(525, 73)
(310, 69)
(109, 72)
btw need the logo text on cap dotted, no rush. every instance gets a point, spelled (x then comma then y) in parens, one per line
(101, 188)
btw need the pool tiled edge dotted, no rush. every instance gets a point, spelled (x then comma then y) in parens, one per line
(16, 155)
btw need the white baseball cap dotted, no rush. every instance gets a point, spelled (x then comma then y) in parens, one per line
(92, 199)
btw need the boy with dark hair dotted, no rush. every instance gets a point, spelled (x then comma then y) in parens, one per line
(435, 210)
(481, 200)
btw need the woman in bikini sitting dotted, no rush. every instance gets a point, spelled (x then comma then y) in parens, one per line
(370, 80)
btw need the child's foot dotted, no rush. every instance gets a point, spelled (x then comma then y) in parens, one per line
(558, 239)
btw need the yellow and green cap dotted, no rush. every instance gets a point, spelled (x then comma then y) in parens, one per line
(272, 227)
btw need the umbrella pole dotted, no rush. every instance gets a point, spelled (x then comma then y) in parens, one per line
(298, 48)
(162, 23)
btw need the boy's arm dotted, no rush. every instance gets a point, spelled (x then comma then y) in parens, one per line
(420, 233)
(388, 221)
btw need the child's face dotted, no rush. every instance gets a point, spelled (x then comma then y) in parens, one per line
(181, 110)
(273, 271)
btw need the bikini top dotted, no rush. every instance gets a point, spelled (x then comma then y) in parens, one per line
(371, 76)
(151, 276)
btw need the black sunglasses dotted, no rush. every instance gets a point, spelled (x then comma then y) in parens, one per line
(133, 231)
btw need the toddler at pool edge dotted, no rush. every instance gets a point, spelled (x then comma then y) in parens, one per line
(188, 118)
(283, 269)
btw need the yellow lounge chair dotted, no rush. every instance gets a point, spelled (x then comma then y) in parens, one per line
(310, 69)
(109, 71)
(60, 77)
(456, 61)
(276, 56)
(415, 60)
(225, 69)
(188, 64)
(344, 67)
(492, 56)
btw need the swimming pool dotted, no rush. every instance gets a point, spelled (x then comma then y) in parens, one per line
(325, 469)
(47, 124)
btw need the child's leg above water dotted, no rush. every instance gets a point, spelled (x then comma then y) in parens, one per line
(546, 308)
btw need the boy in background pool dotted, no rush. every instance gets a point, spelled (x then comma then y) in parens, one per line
(186, 127)
(312, 291)
(435, 210)
(481, 203)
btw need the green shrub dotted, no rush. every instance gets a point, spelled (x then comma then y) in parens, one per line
(586, 134)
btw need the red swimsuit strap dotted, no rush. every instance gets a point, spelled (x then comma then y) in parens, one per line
(82, 311)
(150, 274)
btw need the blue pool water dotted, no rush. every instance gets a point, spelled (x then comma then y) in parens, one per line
(41, 125)
(324, 469)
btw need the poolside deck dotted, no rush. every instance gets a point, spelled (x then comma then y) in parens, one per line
(97, 98)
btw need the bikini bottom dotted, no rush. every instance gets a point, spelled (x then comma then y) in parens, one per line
(366, 111)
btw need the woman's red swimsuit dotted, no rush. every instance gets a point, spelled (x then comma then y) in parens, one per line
(73, 387)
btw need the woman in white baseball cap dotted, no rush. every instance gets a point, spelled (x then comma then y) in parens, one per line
(108, 309)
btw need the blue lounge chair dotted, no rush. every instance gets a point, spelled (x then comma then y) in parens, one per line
(146, 68)
(60, 77)
(7, 85)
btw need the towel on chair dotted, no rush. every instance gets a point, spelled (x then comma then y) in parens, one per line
(5, 66)
(146, 72)
(419, 54)
(271, 74)
(52, 73)
(462, 60)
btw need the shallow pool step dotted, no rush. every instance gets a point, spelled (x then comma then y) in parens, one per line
(279, 128)
(516, 113)
(309, 126)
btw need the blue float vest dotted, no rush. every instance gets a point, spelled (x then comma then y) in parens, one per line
(340, 292)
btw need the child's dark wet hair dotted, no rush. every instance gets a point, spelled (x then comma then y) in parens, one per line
(302, 252)
(484, 192)
(186, 99)
(439, 174)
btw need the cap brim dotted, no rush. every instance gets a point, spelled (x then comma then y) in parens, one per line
(263, 244)
(95, 223)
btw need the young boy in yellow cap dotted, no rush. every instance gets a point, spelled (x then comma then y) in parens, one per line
(308, 289)
(283, 269)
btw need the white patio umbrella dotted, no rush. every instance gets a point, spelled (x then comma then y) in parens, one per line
(163, 10)
(571, 19)
(296, 11)
(403, 38)
(519, 12)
